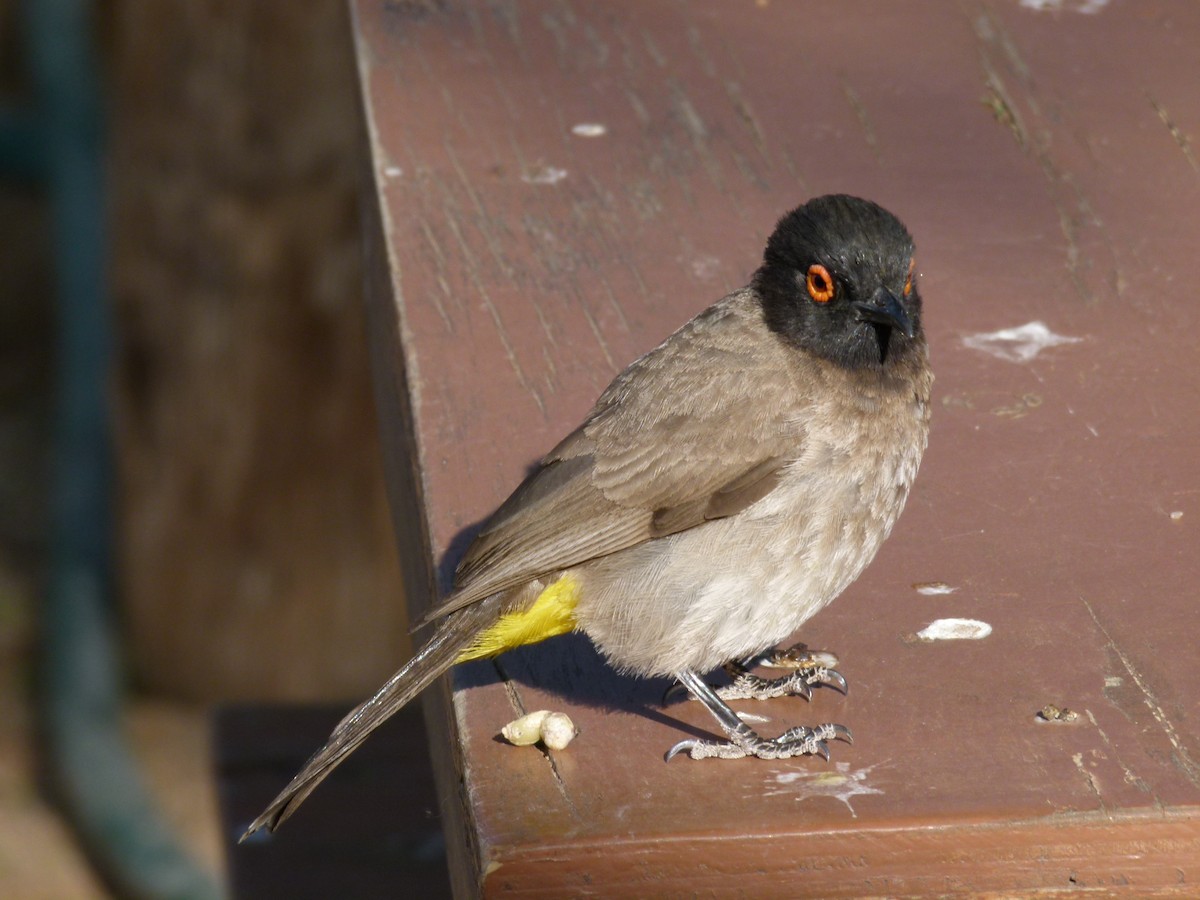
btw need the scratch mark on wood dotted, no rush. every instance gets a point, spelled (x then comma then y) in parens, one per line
(1093, 782)
(1074, 209)
(1001, 105)
(614, 303)
(562, 785)
(1183, 759)
(514, 699)
(428, 72)
(485, 221)
(1070, 231)
(641, 284)
(551, 23)
(506, 13)
(864, 119)
(697, 130)
(1130, 776)
(652, 50)
(746, 114)
(794, 171)
(691, 119)
(510, 689)
(522, 163)
(992, 35)
(568, 13)
(639, 108)
(541, 317)
(749, 172)
(475, 23)
(631, 60)
(555, 263)
(599, 45)
(697, 45)
(993, 32)
(598, 335)
(540, 235)
(476, 277)
(1176, 133)
(757, 133)
(439, 261)
(612, 235)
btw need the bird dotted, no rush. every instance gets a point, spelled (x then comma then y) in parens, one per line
(726, 486)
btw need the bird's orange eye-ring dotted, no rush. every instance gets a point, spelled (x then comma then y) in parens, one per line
(908, 282)
(820, 283)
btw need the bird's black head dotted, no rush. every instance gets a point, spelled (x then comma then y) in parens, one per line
(838, 280)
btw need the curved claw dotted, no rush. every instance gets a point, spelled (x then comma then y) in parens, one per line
(682, 746)
(821, 749)
(842, 733)
(834, 678)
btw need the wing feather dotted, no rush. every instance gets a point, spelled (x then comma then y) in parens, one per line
(695, 430)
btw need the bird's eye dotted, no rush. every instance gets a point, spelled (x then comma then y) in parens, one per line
(908, 282)
(820, 283)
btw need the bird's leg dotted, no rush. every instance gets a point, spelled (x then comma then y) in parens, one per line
(743, 740)
(808, 667)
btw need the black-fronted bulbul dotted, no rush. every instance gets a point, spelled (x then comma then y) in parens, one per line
(725, 487)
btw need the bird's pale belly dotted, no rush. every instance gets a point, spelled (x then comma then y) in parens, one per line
(737, 586)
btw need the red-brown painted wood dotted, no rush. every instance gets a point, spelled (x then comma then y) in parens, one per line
(1044, 162)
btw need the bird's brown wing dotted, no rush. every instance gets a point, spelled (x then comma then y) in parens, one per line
(698, 429)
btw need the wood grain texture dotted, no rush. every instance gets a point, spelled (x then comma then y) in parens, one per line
(1044, 162)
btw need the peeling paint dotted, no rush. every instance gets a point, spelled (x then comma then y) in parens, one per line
(955, 630)
(544, 175)
(844, 784)
(1090, 777)
(706, 268)
(589, 130)
(1083, 7)
(1020, 344)
(934, 588)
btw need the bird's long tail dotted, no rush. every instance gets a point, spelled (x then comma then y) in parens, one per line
(439, 654)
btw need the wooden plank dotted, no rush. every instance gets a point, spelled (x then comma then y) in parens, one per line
(1043, 161)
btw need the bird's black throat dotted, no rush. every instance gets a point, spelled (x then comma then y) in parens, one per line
(863, 345)
(883, 337)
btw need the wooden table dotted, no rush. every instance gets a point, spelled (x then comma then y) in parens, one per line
(560, 185)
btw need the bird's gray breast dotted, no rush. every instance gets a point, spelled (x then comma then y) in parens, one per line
(735, 586)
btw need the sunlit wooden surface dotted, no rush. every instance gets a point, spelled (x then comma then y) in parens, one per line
(557, 186)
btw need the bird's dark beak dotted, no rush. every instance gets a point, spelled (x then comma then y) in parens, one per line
(885, 308)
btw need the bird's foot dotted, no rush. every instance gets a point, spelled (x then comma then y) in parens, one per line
(797, 656)
(799, 741)
(743, 740)
(809, 667)
(750, 687)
